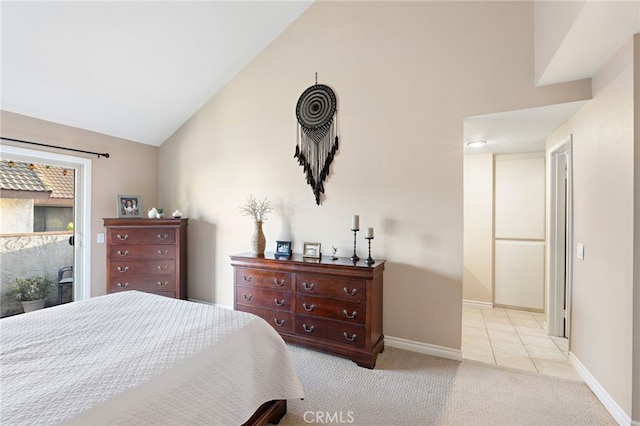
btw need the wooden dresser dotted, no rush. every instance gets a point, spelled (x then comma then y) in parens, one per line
(148, 255)
(329, 305)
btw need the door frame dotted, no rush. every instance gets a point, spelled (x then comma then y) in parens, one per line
(81, 209)
(560, 238)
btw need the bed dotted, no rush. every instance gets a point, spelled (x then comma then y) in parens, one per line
(136, 358)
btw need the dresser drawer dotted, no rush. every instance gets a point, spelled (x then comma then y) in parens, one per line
(346, 289)
(142, 236)
(147, 284)
(337, 331)
(263, 298)
(264, 278)
(120, 269)
(142, 251)
(338, 309)
(280, 320)
(171, 294)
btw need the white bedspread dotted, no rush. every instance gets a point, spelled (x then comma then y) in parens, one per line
(136, 358)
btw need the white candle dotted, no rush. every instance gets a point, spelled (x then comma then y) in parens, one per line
(369, 232)
(355, 222)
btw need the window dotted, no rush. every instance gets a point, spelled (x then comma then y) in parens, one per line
(46, 218)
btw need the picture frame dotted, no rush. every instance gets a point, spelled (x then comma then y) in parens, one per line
(311, 251)
(283, 249)
(128, 206)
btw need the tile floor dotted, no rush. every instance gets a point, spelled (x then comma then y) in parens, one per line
(515, 339)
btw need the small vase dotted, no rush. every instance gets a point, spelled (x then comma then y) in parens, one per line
(152, 213)
(258, 240)
(32, 305)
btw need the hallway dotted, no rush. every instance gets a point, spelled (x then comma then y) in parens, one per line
(514, 339)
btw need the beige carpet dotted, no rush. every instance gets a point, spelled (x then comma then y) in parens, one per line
(407, 388)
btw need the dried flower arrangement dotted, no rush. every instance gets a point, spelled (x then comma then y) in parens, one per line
(257, 210)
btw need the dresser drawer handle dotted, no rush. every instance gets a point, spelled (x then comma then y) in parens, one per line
(163, 284)
(309, 286)
(308, 308)
(249, 297)
(121, 269)
(163, 268)
(279, 283)
(353, 291)
(353, 337)
(163, 252)
(125, 253)
(160, 237)
(278, 323)
(279, 302)
(120, 237)
(308, 329)
(247, 279)
(352, 316)
(125, 285)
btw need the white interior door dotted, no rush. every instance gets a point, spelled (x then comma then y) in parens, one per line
(560, 240)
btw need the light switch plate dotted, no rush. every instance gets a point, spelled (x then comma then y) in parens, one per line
(100, 238)
(580, 251)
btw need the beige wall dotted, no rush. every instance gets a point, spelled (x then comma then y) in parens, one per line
(132, 168)
(405, 73)
(603, 196)
(636, 244)
(478, 229)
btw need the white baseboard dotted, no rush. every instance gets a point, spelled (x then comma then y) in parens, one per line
(423, 348)
(611, 406)
(476, 305)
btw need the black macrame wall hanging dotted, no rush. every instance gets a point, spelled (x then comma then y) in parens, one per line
(317, 134)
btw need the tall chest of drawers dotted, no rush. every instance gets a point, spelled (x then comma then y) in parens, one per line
(330, 305)
(148, 255)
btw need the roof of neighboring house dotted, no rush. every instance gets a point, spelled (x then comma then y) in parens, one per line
(19, 177)
(60, 180)
(57, 181)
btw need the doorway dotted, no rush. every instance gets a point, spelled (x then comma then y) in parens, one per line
(81, 208)
(560, 255)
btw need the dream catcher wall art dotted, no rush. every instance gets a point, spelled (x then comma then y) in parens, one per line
(317, 140)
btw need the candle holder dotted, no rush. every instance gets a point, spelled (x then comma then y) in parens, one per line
(355, 257)
(369, 260)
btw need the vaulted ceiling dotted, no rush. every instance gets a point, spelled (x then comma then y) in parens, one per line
(132, 69)
(139, 70)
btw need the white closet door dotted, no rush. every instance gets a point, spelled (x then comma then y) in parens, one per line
(520, 197)
(519, 230)
(520, 274)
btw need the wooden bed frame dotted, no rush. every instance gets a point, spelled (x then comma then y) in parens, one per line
(269, 412)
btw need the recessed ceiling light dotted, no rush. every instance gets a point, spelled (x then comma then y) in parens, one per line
(476, 144)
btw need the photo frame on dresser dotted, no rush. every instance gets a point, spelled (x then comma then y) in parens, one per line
(283, 249)
(311, 251)
(129, 206)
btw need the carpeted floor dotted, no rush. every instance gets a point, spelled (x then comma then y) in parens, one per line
(408, 388)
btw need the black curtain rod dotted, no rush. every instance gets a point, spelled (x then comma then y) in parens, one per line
(105, 154)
